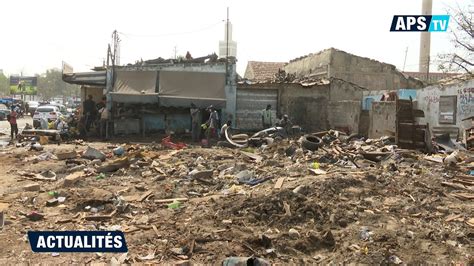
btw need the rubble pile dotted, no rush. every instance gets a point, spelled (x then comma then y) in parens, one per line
(344, 200)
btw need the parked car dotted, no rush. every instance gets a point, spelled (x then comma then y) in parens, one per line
(50, 112)
(4, 111)
(32, 105)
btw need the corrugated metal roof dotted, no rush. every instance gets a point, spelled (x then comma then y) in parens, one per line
(97, 78)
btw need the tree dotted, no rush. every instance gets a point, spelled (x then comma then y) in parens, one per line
(50, 85)
(4, 85)
(462, 56)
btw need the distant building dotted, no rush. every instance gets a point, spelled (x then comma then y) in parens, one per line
(262, 71)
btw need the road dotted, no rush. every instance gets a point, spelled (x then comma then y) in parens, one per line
(5, 128)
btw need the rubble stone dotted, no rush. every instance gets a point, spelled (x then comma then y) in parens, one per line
(32, 187)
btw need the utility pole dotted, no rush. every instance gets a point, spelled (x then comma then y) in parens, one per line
(428, 69)
(405, 61)
(227, 48)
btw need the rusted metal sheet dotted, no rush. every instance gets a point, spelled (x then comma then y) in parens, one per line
(409, 134)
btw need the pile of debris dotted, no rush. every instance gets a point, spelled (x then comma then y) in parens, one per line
(323, 198)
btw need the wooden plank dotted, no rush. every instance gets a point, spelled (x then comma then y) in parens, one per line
(463, 196)
(170, 200)
(453, 217)
(145, 195)
(279, 183)
(156, 230)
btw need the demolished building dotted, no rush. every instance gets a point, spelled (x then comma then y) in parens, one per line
(315, 105)
(155, 95)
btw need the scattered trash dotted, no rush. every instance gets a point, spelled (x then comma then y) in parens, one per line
(294, 233)
(240, 261)
(174, 205)
(45, 156)
(166, 142)
(346, 183)
(395, 260)
(119, 151)
(35, 216)
(92, 154)
(36, 147)
(365, 234)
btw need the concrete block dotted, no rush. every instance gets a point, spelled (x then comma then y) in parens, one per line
(66, 155)
(202, 174)
(32, 187)
(72, 178)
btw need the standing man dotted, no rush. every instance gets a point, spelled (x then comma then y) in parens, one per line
(267, 119)
(212, 123)
(13, 124)
(195, 122)
(89, 111)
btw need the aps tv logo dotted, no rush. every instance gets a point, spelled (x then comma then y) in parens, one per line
(430, 23)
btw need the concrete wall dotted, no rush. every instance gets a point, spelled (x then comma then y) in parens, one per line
(428, 101)
(344, 115)
(382, 119)
(251, 100)
(365, 72)
(334, 104)
(345, 91)
(313, 64)
(305, 106)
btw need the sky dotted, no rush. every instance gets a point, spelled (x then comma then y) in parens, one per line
(39, 35)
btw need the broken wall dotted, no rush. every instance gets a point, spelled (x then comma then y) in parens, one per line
(342, 90)
(365, 72)
(382, 119)
(313, 64)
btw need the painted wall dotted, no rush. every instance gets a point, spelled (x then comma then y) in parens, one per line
(428, 101)
(374, 96)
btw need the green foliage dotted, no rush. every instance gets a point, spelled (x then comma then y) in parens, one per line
(50, 85)
(4, 85)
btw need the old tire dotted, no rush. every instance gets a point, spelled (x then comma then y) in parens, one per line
(311, 142)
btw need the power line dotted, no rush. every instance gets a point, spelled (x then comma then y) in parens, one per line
(128, 35)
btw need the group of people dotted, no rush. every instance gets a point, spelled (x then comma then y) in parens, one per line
(267, 120)
(212, 128)
(94, 114)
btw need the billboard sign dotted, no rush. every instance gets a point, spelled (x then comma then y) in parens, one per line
(23, 85)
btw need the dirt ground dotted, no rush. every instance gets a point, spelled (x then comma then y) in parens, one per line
(406, 208)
